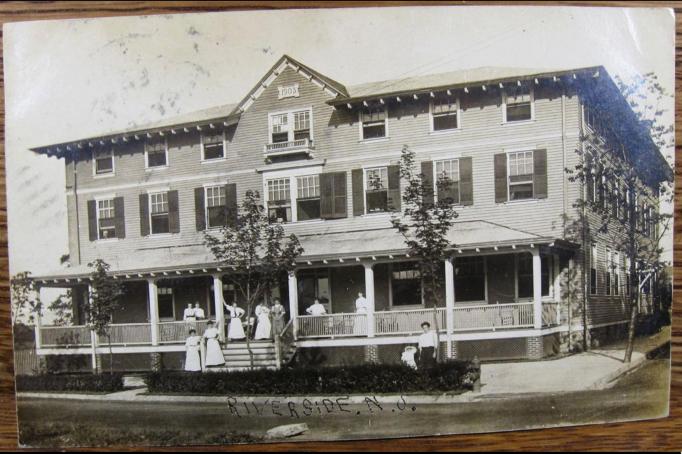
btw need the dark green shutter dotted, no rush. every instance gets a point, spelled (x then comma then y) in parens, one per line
(358, 176)
(394, 188)
(333, 195)
(144, 214)
(199, 209)
(500, 178)
(540, 174)
(231, 204)
(173, 212)
(427, 179)
(92, 220)
(119, 218)
(466, 182)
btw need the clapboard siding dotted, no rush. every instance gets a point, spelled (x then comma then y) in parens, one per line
(336, 138)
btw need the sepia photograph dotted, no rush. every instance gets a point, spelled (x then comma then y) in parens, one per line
(339, 224)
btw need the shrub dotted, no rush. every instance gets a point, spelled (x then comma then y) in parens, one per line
(451, 376)
(105, 383)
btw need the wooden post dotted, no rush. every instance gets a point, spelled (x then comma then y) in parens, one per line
(218, 305)
(369, 295)
(153, 300)
(537, 289)
(293, 302)
(449, 303)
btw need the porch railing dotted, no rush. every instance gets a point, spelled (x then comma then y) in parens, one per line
(407, 321)
(332, 325)
(128, 334)
(177, 332)
(493, 316)
(62, 336)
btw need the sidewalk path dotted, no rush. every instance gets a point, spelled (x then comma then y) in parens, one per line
(595, 369)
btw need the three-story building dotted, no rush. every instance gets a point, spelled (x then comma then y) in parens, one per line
(325, 157)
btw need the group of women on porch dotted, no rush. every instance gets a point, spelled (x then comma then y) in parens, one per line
(267, 318)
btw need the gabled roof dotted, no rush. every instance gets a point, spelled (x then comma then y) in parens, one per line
(333, 87)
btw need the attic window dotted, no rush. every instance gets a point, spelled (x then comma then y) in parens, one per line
(518, 104)
(103, 161)
(373, 123)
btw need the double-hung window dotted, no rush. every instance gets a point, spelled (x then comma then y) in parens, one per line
(524, 274)
(308, 197)
(103, 161)
(616, 273)
(373, 122)
(290, 126)
(279, 200)
(520, 175)
(376, 189)
(156, 152)
(106, 221)
(213, 146)
(158, 213)
(593, 270)
(518, 104)
(216, 201)
(609, 272)
(166, 303)
(447, 180)
(444, 114)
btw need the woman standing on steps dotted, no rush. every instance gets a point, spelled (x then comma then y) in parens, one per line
(192, 352)
(235, 331)
(214, 353)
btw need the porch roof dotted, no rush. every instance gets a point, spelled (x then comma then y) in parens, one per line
(340, 247)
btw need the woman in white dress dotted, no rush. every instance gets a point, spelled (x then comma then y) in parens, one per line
(235, 330)
(193, 352)
(214, 353)
(264, 326)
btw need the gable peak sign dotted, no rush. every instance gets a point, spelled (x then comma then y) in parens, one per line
(288, 91)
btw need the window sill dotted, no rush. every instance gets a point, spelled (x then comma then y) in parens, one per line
(377, 140)
(161, 235)
(211, 161)
(444, 132)
(379, 214)
(106, 240)
(522, 202)
(519, 122)
(152, 169)
(97, 176)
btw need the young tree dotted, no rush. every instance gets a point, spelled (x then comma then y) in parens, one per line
(257, 251)
(424, 223)
(25, 298)
(613, 203)
(104, 301)
(62, 309)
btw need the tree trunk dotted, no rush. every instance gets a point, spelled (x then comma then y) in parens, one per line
(111, 354)
(249, 305)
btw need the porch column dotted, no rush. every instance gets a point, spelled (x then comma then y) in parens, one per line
(557, 286)
(293, 301)
(449, 303)
(537, 289)
(218, 305)
(369, 295)
(93, 336)
(153, 310)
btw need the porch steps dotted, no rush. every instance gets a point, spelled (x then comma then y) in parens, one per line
(264, 356)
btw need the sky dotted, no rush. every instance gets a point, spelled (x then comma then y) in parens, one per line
(78, 78)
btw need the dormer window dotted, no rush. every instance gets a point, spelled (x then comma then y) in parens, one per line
(517, 103)
(103, 161)
(373, 123)
(290, 126)
(156, 153)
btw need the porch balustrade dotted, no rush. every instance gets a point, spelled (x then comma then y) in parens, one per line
(61, 336)
(469, 318)
(177, 332)
(127, 334)
(332, 325)
(407, 321)
(493, 316)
